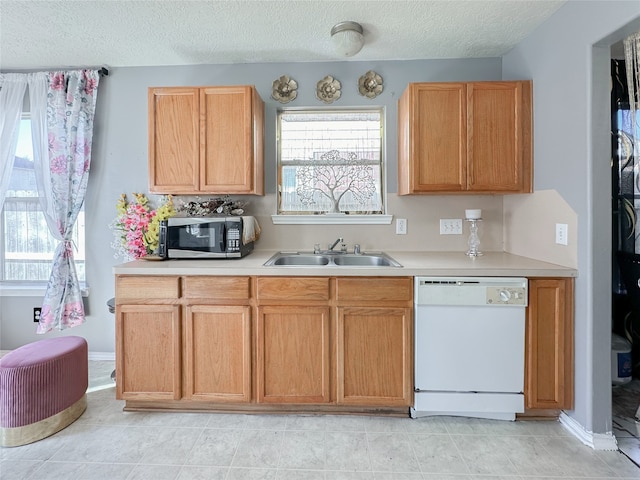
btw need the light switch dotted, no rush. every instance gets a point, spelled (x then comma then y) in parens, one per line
(401, 226)
(562, 232)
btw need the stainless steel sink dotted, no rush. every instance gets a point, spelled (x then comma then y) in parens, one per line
(366, 260)
(297, 259)
(308, 259)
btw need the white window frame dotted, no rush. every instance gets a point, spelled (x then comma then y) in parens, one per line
(332, 218)
(28, 287)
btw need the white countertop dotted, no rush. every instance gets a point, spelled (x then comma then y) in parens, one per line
(492, 264)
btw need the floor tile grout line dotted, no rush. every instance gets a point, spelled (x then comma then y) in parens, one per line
(515, 467)
(235, 450)
(281, 445)
(540, 439)
(366, 437)
(415, 455)
(550, 455)
(460, 453)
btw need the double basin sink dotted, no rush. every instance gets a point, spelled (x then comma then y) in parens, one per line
(331, 259)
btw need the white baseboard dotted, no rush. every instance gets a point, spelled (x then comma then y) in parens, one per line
(102, 356)
(597, 441)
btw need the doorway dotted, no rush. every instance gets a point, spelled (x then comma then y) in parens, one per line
(625, 188)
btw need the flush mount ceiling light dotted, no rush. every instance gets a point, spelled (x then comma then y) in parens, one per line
(348, 38)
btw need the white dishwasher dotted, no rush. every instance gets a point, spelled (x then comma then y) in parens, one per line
(469, 346)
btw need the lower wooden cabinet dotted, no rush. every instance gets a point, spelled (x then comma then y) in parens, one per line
(148, 352)
(549, 344)
(374, 356)
(335, 342)
(375, 341)
(199, 341)
(292, 354)
(217, 353)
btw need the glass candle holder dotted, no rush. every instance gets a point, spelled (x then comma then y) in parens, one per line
(474, 239)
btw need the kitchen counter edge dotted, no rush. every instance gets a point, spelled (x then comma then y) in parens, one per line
(490, 264)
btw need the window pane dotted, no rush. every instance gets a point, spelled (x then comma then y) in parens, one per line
(330, 161)
(27, 245)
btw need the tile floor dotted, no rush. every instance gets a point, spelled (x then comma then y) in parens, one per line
(107, 443)
(625, 402)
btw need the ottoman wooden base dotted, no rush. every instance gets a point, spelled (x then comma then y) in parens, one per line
(14, 437)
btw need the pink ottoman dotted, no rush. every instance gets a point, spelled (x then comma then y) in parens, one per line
(42, 389)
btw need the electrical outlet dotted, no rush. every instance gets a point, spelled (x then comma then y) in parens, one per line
(401, 226)
(36, 314)
(562, 232)
(450, 226)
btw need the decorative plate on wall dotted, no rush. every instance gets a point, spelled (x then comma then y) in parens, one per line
(328, 89)
(285, 89)
(370, 84)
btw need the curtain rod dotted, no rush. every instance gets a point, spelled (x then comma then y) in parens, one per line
(103, 72)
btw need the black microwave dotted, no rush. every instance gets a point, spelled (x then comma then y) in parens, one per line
(205, 237)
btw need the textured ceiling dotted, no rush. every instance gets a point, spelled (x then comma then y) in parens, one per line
(80, 33)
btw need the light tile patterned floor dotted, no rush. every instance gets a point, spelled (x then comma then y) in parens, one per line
(106, 443)
(626, 399)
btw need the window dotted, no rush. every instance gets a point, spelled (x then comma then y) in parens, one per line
(26, 246)
(330, 162)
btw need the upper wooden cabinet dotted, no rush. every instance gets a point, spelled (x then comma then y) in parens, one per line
(206, 140)
(465, 138)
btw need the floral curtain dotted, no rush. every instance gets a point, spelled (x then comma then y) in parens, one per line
(62, 112)
(12, 88)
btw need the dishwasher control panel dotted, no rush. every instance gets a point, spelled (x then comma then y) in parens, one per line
(506, 296)
(478, 291)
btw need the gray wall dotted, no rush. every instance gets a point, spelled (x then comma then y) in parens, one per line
(571, 156)
(568, 59)
(119, 165)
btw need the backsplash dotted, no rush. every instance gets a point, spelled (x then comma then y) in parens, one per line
(423, 214)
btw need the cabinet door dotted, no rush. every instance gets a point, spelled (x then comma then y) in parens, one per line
(293, 354)
(432, 138)
(549, 344)
(217, 353)
(499, 136)
(174, 140)
(374, 350)
(148, 352)
(230, 157)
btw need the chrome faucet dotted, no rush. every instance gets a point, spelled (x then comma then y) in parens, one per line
(332, 246)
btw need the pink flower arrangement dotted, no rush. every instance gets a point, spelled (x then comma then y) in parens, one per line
(136, 227)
